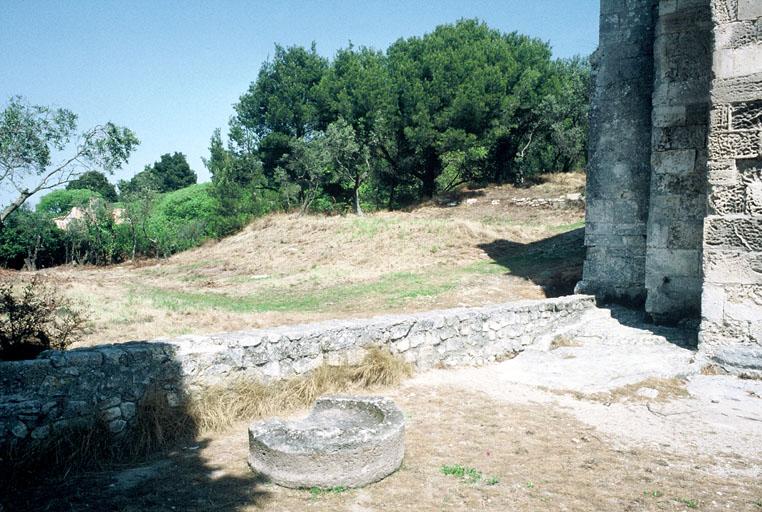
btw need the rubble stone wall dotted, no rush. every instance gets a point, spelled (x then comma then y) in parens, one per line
(105, 385)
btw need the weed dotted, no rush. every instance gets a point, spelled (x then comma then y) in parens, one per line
(563, 341)
(466, 473)
(493, 480)
(34, 316)
(530, 485)
(688, 503)
(653, 494)
(316, 492)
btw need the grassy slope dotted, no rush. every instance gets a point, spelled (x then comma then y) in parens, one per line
(287, 269)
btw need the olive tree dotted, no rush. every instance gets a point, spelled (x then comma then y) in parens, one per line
(41, 149)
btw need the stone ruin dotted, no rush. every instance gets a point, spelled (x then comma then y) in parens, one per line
(344, 442)
(674, 193)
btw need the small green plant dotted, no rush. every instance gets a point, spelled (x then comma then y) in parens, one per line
(316, 492)
(688, 503)
(468, 474)
(462, 472)
(530, 485)
(653, 494)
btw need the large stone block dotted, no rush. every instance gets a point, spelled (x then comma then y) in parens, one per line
(749, 9)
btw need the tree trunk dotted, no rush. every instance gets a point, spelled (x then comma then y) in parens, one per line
(358, 209)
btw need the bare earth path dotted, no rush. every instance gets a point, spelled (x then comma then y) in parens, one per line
(616, 418)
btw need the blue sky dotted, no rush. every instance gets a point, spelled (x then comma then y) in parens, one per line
(171, 70)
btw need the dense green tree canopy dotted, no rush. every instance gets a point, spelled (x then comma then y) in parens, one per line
(170, 172)
(95, 181)
(463, 104)
(61, 201)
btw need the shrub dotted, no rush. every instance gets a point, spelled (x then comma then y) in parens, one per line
(35, 317)
(60, 202)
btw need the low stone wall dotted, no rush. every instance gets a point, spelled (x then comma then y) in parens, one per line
(104, 385)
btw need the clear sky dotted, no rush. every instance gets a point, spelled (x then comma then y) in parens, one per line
(171, 70)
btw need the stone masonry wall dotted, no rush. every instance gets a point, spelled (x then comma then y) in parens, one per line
(104, 385)
(619, 169)
(682, 64)
(731, 329)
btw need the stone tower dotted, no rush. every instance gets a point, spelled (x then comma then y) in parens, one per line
(674, 192)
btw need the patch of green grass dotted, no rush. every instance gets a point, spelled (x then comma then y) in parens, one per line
(467, 474)
(564, 228)
(688, 503)
(396, 288)
(368, 227)
(316, 492)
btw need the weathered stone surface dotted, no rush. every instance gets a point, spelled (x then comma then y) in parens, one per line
(345, 441)
(701, 188)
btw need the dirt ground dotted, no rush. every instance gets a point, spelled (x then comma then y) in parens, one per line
(618, 418)
(530, 457)
(468, 250)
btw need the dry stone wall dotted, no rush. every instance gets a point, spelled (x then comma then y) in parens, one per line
(105, 385)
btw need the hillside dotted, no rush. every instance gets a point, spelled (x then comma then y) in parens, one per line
(482, 247)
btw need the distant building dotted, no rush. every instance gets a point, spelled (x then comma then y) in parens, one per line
(78, 212)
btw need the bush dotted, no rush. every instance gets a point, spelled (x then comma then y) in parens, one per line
(35, 317)
(60, 202)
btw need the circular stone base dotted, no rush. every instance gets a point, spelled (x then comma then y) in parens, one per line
(345, 441)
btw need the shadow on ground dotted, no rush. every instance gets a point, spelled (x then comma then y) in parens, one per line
(157, 465)
(553, 263)
(174, 481)
(684, 334)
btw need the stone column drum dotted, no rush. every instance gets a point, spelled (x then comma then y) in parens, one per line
(344, 442)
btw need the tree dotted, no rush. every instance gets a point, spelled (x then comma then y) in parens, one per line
(284, 97)
(30, 240)
(172, 172)
(349, 156)
(95, 181)
(32, 137)
(463, 89)
(60, 202)
(305, 171)
(144, 180)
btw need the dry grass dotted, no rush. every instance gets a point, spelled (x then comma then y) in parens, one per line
(563, 341)
(665, 390)
(285, 269)
(218, 408)
(541, 459)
